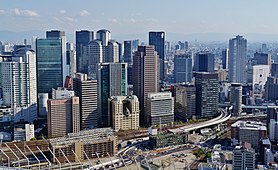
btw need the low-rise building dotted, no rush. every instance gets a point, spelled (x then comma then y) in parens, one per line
(101, 141)
(25, 133)
(162, 140)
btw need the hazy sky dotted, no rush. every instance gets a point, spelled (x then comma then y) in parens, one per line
(140, 16)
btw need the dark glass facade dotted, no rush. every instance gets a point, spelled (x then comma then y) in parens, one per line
(83, 37)
(183, 68)
(49, 65)
(206, 94)
(158, 40)
(112, 80)
(204, 62)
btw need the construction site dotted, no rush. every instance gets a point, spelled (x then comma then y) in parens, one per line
(74, 151)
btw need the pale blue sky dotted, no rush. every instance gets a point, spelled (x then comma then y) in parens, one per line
(140, 16)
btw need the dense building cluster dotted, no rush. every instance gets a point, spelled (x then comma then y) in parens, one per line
(66, 91)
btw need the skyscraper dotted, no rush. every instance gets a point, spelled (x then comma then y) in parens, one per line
(225, 58)
(183, 68)
(61, 35)
(145, 74)
(206, 94)
(49, 65)
(19, 84)
(273, 130)
(271, 89)
(204, 62)
(157, 39)
(130, 47)
(63, 116)
(159, 108)
(111, 52)
(236, 98)
(83, 37)
(237, 59)
(262, 59)
(95, 55)
(86, 89)
(124, 111)
(100, 51)
(128, 52)
(257, 75)
(104, 36)
(112, 81)
(185, 98)
(274, 69)
(71, 59)
(264, 48)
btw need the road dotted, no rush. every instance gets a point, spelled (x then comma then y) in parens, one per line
(223, 117)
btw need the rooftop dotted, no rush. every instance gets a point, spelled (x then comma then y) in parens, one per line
(86, 136)
(250, 125)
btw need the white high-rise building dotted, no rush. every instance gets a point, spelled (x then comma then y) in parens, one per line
(104, 36)
(257, 75)
(71, 57)
(20, 84)
(237, 59)
(159, 108)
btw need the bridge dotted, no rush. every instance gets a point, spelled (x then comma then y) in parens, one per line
(223, 117)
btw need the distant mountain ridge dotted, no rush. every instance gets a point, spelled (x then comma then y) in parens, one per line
(18, 37)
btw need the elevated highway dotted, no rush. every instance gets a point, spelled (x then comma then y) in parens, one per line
(223, 117)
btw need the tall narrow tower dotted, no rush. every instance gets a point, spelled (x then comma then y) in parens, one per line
(112, 81)
(83, 37)
(157, 39)
(145, 74)
(61, 35)
(237, 60)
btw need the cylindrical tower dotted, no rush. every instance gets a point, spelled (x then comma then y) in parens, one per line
(236, 98)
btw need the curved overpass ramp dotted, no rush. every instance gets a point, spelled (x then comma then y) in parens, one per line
(223, 117)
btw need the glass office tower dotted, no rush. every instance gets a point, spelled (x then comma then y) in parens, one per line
(49, 65)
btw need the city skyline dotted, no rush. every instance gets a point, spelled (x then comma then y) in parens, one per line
(182, 18)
